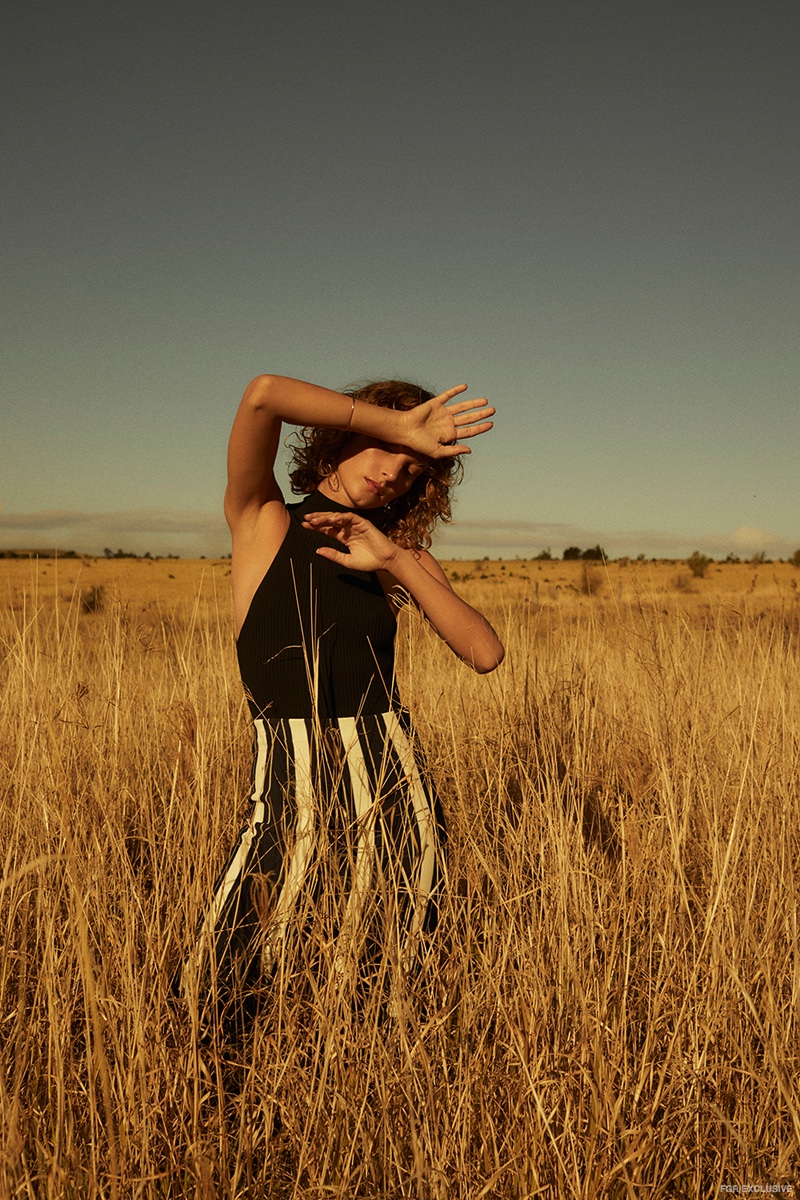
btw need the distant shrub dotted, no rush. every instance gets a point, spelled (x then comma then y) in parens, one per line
(698, 564)
(546, 555)
(593, 554)
(591, 580)
(795, 559)
(92, 600)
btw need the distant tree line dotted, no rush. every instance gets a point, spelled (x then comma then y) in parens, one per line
(594, 553)
(40, 554)
(108, 553)
(697, 562)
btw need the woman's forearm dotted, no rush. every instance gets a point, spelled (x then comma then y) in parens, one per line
(299, 403)
(466, 632)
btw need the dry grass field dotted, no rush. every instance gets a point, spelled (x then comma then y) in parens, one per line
(610, 1008)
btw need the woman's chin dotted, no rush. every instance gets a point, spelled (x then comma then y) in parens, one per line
(360, 495)
(365, 497)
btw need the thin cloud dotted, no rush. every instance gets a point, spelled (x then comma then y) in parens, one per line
(161, 531)
(527, 538)
(190, 532)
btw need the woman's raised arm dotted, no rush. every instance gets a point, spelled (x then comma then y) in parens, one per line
(430, 429)
(267, 402)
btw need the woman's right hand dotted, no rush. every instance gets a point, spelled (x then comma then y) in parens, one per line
(436, 431)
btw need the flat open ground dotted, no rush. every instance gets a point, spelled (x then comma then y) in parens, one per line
(151, 586)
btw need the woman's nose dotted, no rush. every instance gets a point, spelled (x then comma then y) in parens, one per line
(391, 469)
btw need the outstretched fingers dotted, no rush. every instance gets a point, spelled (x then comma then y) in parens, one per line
(465, 406)
(332, 524)
(465, 431)
(443, 397)
(472, 418)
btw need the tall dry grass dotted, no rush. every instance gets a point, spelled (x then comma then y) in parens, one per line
(610, 1008)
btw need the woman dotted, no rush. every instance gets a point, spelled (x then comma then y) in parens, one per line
(342, 850)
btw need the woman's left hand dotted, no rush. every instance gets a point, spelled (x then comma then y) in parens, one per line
(369, 549)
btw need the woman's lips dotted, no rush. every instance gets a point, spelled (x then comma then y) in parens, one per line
(373, 486)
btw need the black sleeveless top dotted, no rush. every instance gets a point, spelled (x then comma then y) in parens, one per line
(318, 638)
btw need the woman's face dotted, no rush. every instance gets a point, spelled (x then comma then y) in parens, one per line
(373, 473)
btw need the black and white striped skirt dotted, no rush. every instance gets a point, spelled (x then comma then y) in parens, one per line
(339, 866)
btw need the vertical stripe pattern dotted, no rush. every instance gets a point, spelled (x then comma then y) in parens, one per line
(341, 855)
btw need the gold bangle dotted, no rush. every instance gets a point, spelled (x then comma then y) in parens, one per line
(349, 419)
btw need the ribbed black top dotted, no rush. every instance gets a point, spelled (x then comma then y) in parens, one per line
(315, 629)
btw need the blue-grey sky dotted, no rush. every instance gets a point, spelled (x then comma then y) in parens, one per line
(586, 211)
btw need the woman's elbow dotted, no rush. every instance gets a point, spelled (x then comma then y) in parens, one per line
(489, 659)
(259, 390)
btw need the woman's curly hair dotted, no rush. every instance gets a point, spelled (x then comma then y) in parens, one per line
(409, 519)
